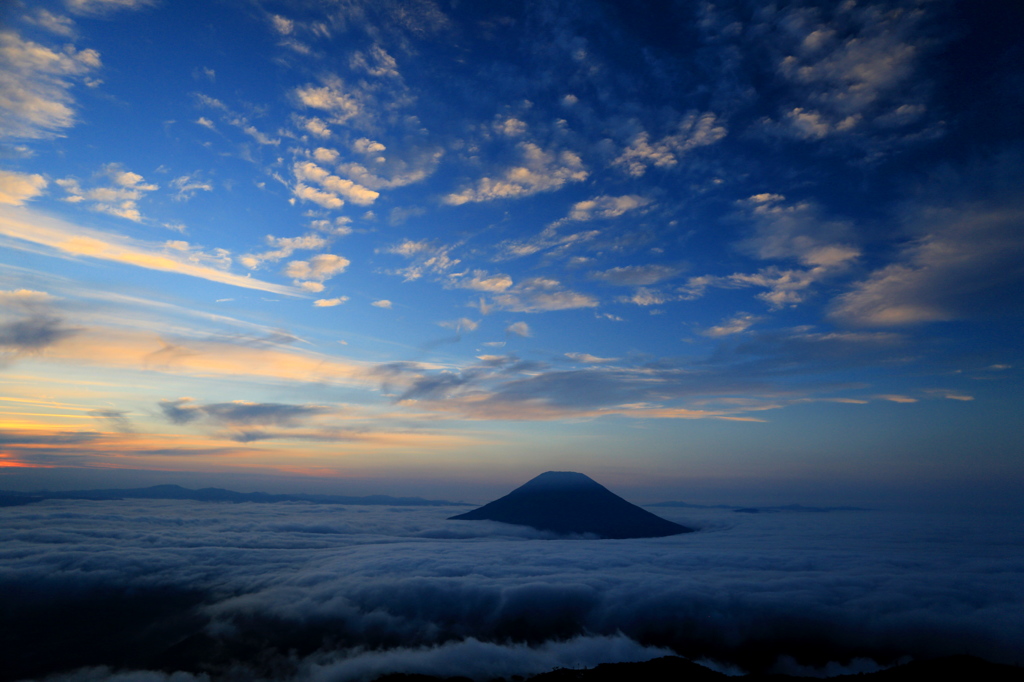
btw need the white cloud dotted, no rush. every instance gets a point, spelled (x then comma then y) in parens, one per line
(120, 198)
(337, 186)
(463, 323)
(340, 226)
(206, 123)
(376, 62)
(282, 25)
(541, 171)
(330, 302)
(331, 98)
(740, 322)
(512, 127)
(855, 70)
(282, 247)
(188, 185)
(320, 267)
(324, 155)
(35, 84)
(645, 297)
(540, 294)
(17, 188)
(365, 145)
(694, 130)
(78, 241)
(315, 125)
(324, 199)
(54, 23)
(426, 258)
(589, 359)
(519, 329)
(392, 171)
(637, 275)
(383, 303)
(105, 6)
(894, 398)
(606, 207)
(483, 281)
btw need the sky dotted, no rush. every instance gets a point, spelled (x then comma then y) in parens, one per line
(772, 251)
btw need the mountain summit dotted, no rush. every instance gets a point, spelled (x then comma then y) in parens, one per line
(568, 502)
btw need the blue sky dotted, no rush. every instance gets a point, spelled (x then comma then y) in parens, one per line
(776, 247)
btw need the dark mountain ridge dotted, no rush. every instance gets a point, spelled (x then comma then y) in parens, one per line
(176, 492)
(567, 502)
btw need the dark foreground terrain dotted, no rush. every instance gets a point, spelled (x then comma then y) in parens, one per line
(674, 669)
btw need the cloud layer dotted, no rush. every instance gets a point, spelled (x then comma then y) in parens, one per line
(357, 592)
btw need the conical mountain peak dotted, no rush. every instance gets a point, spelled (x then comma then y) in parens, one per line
(572, 503)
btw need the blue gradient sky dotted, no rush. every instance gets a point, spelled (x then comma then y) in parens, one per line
(442, 247)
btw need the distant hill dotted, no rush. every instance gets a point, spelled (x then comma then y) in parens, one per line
(754, 510)
(176, 492)
(568, 502)
(674, 669)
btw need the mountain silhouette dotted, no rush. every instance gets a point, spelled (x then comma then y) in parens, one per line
(568, 502)
(176, 492)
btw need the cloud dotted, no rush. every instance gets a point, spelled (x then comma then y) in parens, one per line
(637, 275)
(383, 303)
(519, 329)
(460, 324)
(54, 23)
(333, 185)
(332, 98)
(646, 297)
(855, 68)
(119, 198)
(541, 171)
(375, 62)
(77, 241)
(118, 419)
(17, 188)
(965, 263)
(589, 359)
(693, 131)
(797, 231)
(427, 258)
(606, 207)
(481, 280)
(540, 294)
(321, 592)
(320, 267)
(896, 398)
(33, 333)
(240, 412)
(330, 302)
(282, 247)
(102, 7)
(790, 232)
(35, 86)
(188, 185)
(740, 322)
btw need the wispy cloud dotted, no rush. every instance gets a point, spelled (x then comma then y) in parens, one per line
(36, 98)
(73, 240)
(17, 188)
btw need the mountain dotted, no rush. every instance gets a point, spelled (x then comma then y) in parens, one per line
(176, 492)
(568, 502)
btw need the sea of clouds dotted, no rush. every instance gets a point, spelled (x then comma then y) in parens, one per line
(159, 590)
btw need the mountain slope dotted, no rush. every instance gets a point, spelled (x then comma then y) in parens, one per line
(568, 502)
